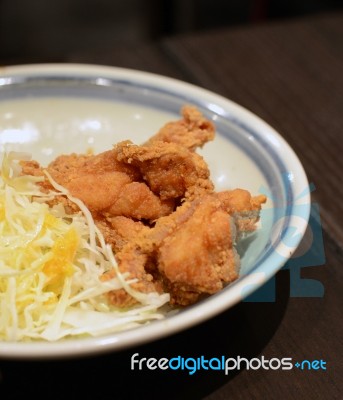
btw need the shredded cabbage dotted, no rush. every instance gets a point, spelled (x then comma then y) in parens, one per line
(51, 265)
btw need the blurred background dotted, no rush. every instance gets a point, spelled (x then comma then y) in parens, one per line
(60, 30)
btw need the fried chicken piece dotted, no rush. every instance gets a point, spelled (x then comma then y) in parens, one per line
(191, 252)
(243, 207)
(192, 131)
(200, 256)
(107, 185)
(140, 182)
(113, 194)
(135, 264)
(104, 190)
(67, 167)
(118, 231)
(170, 170)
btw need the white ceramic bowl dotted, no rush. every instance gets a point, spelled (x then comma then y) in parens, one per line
(52, 109)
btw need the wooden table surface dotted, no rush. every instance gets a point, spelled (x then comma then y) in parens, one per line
(290, 73)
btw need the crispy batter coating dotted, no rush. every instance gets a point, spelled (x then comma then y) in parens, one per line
(192, 249)
(170, 170)
(118, 231)
(190, 132)
(155, 205)
(104, 190)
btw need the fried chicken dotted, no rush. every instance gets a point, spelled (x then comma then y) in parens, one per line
(170, 170)
(190, 132)
(139, 182)
(118, 231)
(191, 252)
(155, 205)
(104, 191)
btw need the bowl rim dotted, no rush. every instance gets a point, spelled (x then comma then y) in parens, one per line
(222, 300)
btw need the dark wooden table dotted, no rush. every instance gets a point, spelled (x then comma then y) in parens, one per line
(290, 73)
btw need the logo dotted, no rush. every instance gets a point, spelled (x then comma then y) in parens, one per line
(309, 252)
(222, 363)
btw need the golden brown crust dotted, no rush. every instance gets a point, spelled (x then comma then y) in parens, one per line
(170, 170)
(190, 132)
(155, 205)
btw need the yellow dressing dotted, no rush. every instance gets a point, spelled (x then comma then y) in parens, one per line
(60, 265)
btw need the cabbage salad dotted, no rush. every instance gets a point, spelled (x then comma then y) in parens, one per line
(51, 264)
